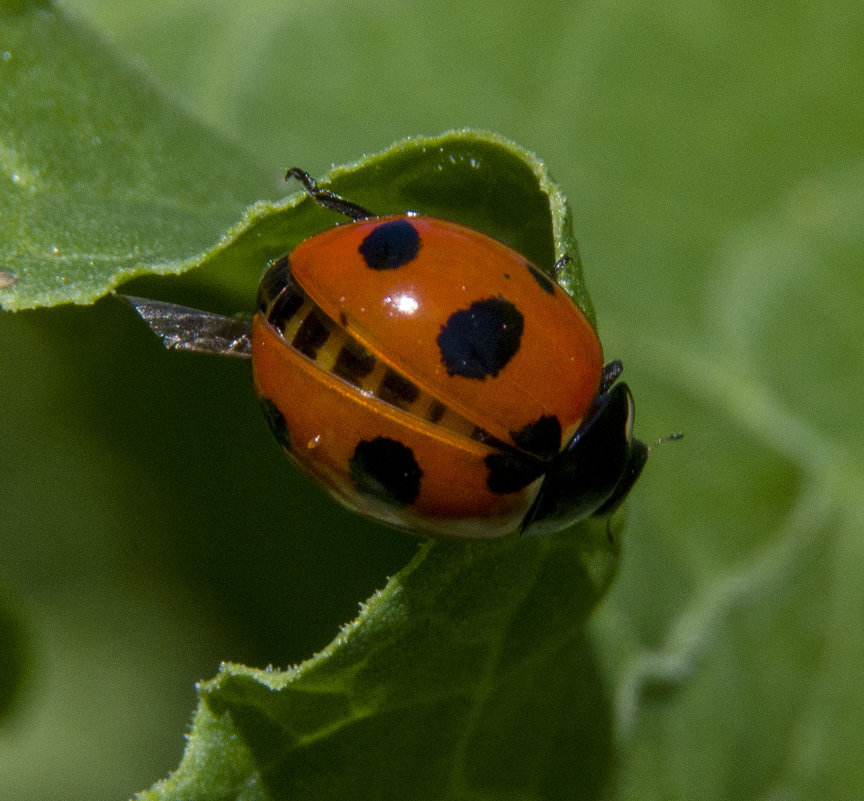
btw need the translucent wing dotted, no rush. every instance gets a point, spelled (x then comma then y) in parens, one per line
(184, 328)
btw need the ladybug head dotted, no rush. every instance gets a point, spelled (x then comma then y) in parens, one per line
(596, 470)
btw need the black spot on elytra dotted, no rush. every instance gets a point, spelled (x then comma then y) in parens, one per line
(511, 472)
(386, 470)
(541, 438)
(277, 423)
(545, 282)
(390, 245)
(479, 341)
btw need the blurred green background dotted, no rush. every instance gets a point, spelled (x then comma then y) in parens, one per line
(714, 159)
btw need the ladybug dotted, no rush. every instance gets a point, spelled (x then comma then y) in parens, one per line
(429, 377)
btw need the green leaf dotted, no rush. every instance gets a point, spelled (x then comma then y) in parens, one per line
(106, 182)
(760, 669)
(448, 685)
(474, 177)
(101, 177)
(13, 656)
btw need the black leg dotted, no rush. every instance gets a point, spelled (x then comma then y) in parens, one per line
(327, 199)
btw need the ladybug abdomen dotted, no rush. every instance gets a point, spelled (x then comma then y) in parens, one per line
(384, 460)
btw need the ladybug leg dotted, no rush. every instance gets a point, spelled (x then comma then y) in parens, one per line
(560, 264)
(611, 371)
(327, 199)
(565, 260)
